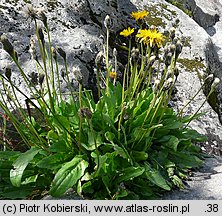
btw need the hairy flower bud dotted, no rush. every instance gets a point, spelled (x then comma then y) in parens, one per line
(77, 73)
(135, 55)
(41, 35)
(168, 84)
(61, 52)
(115, 52)
(172, 33)
(54, 53)
(99, 59)
(107, 22)
(32, 49)
(179, 48)
(8, 72)
(215, 83)
(30, 12)
(156, 85)
(168, 59)
(41, 15)
(7, 46)
(85, 113)
(152, 60)
(41, 78)
(176, 71)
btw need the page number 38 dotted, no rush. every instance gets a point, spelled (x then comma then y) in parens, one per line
(212, 208)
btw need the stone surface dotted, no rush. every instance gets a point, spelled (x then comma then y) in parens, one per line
(77, 25)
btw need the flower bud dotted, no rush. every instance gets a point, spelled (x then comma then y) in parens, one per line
(107, 22)
(8, 72)
(179, 48)
(152, 60)
(41, 35)
(176, 71)
(30, 12)
(172, 48)
(77, 73)
(54, 53)
(85, 113)
(168, 84)
(32, 49)
(99, 59)
(156, 85)
(61, 52)
(7, 46)
(210, 77)
(41, 78)
(215, 83)
(135, 55)
(41, 15)
(172, 33)
(63, 73)
(115, 52)
(168, 59)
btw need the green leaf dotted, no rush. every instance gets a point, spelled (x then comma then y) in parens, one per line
(155, 177)
(16, 193)
(109, 136)
(170, 142)
(20, 164)
(194, 135)
(90, 145)
(52, 135)
(8, 155)
(54, 161)
(139, 155)
(172, 124)
(68, 175)
(59, 146)
(30, 179)
(129, 174)
(185, 160)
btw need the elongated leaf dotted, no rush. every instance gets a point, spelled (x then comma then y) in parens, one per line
(186, 160)
(68, 176)
(8, 155)
(54, 161)
(20, 164)
(172, 143)
(130, 173)
(155, 177)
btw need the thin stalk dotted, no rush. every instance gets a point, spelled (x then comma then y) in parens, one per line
(52, 79)
(80, 115)
(122, 103)
(68, 80)
(58, 80)
(192, 116)
(97, 150)
(107, 61)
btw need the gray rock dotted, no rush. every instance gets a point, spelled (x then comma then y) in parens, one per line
(205, 13)
(76, 26)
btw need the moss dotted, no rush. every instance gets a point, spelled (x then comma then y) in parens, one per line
(52, 4)
(187, 42)
(157, 13)
(179, 4)
(192, 65)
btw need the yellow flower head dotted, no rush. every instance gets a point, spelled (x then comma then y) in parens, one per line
(127, 32)
(140, 14)
(113, 74)
(151, 37)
